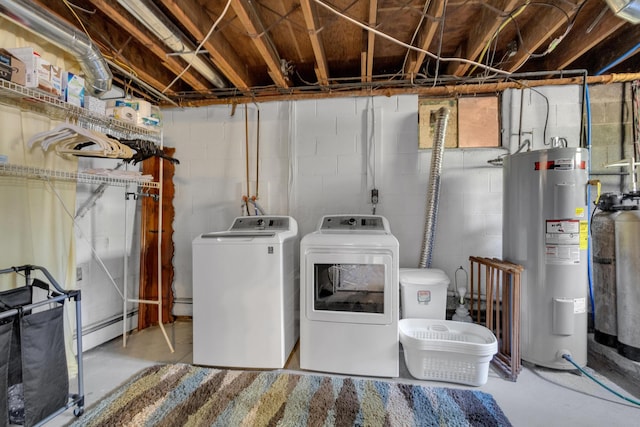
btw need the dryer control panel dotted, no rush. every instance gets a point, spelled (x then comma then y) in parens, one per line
(366, 223)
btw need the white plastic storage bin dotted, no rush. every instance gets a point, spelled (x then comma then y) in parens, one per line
(423, 293)
(444, 350)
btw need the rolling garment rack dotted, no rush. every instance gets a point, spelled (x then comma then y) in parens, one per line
(31, 100)
(33, 362)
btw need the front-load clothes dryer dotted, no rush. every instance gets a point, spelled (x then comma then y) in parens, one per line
(349, 290)
(246, 293)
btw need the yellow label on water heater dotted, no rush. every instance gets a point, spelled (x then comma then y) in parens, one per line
(584, 235)
(580, 212)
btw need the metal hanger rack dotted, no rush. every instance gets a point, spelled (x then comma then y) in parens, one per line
(28, 99)
(46, 104)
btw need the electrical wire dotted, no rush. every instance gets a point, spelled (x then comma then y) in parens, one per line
(619, 60)
(510, 17)
(195, 53)
(417, 30)
(587, 101)
(408, 46)
(569, 359)
(440, 40)
(71, 8)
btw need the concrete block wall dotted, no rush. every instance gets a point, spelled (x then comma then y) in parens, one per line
(612, 134)
(211, 145)
(540, 113)
(323, 157)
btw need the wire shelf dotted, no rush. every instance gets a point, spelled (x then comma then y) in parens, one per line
(33, 100)
(7, 169)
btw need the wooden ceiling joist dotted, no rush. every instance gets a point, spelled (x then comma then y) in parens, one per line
(537, 32)
(481, 33)
(120, 16)
(371, 40)
(425, 36)
(223, 55)
(577, 43)
(313, 28)
(251, 22)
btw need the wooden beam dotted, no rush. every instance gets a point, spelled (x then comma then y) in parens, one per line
(124, 20)
(605, 54)
(223, 55)
(371, 40)
(537, 32)
(313, 28)
(481, 33)
(446, 91)
(579, 41)
(425, 36)
(249, 18)
(281, 8)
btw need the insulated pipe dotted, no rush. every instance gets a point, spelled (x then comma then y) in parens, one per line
(434, 188)
(97, 75)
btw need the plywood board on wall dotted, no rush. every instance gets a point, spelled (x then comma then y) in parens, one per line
(427, 115)
(478, 122)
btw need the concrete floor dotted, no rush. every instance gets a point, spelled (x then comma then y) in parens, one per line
(539, 397)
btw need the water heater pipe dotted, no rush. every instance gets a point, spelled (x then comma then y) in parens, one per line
(433, 193)
(98, 77)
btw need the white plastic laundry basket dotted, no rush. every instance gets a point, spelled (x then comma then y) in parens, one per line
(445, 350)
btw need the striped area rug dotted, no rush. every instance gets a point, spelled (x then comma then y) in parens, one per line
(186, 395)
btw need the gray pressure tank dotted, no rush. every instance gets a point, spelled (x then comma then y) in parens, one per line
(603, 253)
(627, 236)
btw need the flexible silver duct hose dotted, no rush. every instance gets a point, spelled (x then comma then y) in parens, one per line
(97, 75)
(434, 188)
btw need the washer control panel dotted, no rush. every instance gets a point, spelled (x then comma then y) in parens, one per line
(260, 223)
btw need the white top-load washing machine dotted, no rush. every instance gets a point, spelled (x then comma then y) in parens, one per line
(349, 294)
(246, 293)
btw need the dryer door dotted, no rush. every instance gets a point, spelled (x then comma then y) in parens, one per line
(348, 287)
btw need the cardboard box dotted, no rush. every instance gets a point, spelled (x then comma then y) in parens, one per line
(44, 76)
(37, 70)
(30, 59)
(11, 68)
(73, 89)
(56, 77)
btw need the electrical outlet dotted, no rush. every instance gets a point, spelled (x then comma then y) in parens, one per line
(374, 196)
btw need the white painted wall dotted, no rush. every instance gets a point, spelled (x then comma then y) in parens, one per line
(316, 157)
(313, 161)
(103, 242)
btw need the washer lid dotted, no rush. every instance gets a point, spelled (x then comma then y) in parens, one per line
(423, 276)
(239, 234)
(275, 223)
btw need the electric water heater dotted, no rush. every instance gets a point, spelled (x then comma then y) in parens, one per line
(545, 229)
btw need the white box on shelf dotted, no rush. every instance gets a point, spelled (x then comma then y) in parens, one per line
(73, 89)
(95, 105)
